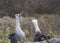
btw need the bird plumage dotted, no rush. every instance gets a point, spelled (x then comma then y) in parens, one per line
(19, 32)
(38, 34)
(12, 38)
(52, 40)
(35, 22)
(18, 35)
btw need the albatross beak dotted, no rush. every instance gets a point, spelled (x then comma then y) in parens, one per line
(20, 15)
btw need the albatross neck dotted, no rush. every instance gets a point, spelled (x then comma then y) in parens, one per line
(17, 22)
(36, 27)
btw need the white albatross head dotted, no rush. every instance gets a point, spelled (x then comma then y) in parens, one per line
(35, 22)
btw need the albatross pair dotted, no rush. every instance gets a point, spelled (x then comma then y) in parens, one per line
(20, 35)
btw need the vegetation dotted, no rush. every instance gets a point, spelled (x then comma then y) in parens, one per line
(30, 7)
